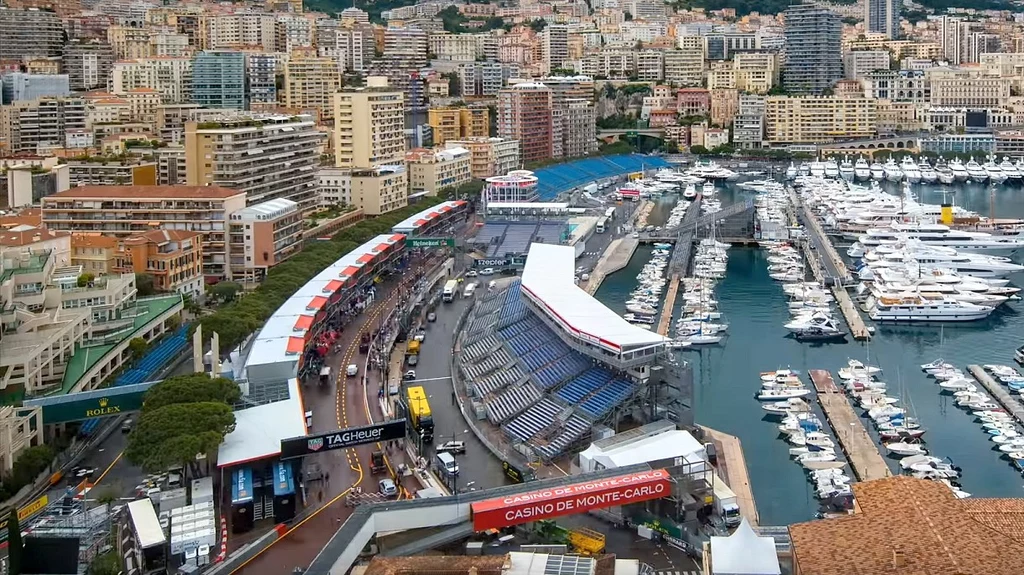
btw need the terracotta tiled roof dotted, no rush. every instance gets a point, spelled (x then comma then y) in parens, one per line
(147, 192)
(26, 217)
(93, 241)
(910, 526)
(10, 239)
(161, 236)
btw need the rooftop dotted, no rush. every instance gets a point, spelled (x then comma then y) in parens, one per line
(914, 527)
(413, 222)
(93, 241)
(25, 235)
(259, 430)
(147, 192)
(162, 236)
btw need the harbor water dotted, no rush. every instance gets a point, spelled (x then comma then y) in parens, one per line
(754, 307)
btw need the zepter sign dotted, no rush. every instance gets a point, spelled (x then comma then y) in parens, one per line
(570, 499)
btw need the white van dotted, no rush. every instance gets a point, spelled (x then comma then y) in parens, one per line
(352, 370)
(470, 288)
(446, 462)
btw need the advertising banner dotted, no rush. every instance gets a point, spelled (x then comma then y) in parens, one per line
(342, 438)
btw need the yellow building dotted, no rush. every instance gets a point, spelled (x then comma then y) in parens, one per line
(457, 123)
(431, 171)
(898, 48)
(96, 253)
(818, 119)
(310, 83)
(129, 42)
(971, 88)
(369, 125)
(381, 189)
(725, 104)
(756, 72)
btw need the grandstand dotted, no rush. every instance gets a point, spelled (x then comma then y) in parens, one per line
(554, 180)
(498, 238)
(533, 385)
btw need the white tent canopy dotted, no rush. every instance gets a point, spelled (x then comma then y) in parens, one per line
(744, 553)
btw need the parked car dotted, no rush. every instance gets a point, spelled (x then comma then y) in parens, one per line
(387, 487)
(455, 447)
(487, 272)
(471, 274)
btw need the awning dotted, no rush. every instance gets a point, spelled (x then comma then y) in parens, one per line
(420, 222)
(397, 237)
(295, 345)
(349, 272)
(317, 303)
(381, 247)
(365, 258)
(460, 202)
(304, 322)
(432, 215)
(446, 208)
(333, 286)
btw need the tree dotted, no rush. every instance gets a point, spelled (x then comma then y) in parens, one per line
(138, 347)
(144, 284)
(85, 279)
(698, 150)
(454, 84)
(106, 564)
(194, 388)
(226, 291)
(14, 545)
(538, 24)
(175, 434)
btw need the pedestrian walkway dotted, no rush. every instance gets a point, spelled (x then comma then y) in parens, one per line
(670, 572)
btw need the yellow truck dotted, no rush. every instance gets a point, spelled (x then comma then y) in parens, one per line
(586, 541)
(419, 413)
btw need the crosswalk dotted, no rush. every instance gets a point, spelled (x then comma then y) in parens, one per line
(671, 572)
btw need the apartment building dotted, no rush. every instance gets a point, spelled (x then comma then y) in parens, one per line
(380, 189)
(369, 125)
(219, 80)
(123, 211)
(483, 79)
(310, 82)
(266, 156)
(458, 123)
(814, 61)
(432, 171)
(262, 76)
(131, 42)
(967, 88)
(239, 30)
(294, 32)
(170, 77)
(88, 63)
(489, 156)
(27, 182)
(125, 172)
(650, 65)
(94, 253)
(406, 46)
(29, 33)
(173, 258)
(555, 47)
(335, 187)
(858, 64)
(684, 66)
(453, 47)
(526, 114)
(351, 45)
(579, 128)
(172, 165)
(883, 17)
(170, 44)
(38, 126)
(818, 119)
(693, 102)
(611, 64)
(262, 236)
(16, 86)
(724, 106)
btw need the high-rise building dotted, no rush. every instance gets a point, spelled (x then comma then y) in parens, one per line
(29, 33)
(170, 77)
(88, 64)
(579, 128)
(407, 46)
(263, 236)
(219, 80)
(262, 70)
(953, 33)
(883, 17)
(35, 126)
(458, 123)
(352, 45)
(684, 66)
(267, 156)
(525, 113)
(16, 86)
(555, 47)
(814, 60)
(310, 82)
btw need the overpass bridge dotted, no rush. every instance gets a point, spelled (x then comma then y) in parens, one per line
(737, 217)
(614, 134)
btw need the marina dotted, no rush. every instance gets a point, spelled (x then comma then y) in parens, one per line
(733, 466)
(1011, 404)
(860, 449)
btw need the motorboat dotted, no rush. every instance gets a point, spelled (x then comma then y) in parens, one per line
(926, 307)
(709, 170)
(691, 192)
(1013, 175)
(791, 172)
(816, 456)
(944, 173)
(677, 344)
(958, 385)
(911, 172)
(700, 339)
(708, 189)
(784, 408)
(778, 374)
(831, 169)
(781, 394)
(976, 172)
(877, 171)
(960, 173)
(855, 368)
(815, 465)
(801, 450)
(861, 170)
(903, 448)
(893, 173)
(928, 175)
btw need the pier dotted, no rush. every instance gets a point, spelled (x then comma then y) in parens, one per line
(614, 258)
(1010, 403)
(732, 467)
(670, 303)
(857, 445)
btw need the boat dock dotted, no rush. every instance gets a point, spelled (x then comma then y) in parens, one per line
(1009, 402)
(732, 467)
(670, 303)
(860, 449)
(858, 329)
(614, 258)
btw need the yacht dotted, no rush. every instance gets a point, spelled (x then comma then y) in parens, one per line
(945, 174)
(791, 172)
(928, 175)
(925, 307)
(975, 172)
(893, 173)
(960, 173)
(804, 169)
(846, 170)
(711, 171)
(928, 258)
(831, 169)
(995, 173)
(861, 170)
(691, 192)
(1013, 175)
(817, 169)
(708, 189)
(877, 171)
(910, 170)
(941, 235)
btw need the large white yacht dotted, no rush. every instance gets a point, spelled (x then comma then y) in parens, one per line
(817, 169)
(946, 175)
(861, 170)
(910, 170)
(959, 171)
(916, 254)
(975, 172)
(893, 173)
(913, 307)
(846, 170)
(995, 173)
(941, 235)
(711, 171)
(1012, 173)
(877, 171)
(831, 168)
(928, 175)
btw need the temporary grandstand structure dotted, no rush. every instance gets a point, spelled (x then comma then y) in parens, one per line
(500, 238)
(554, 180)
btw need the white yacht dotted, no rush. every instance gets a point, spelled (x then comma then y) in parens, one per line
(893, 173)
(817, 169)
(846, 170)
(941, 235)
(925, 307)
(708, 189)
(791, 172)
(975, 172)
(960, 173)
(691, 192)
(816, 323)
(945, 174)
(877, 171)
(932, 257)
(861, 170)
(1012, 173)
(910, 170)
(711, 171)
(804, 169)
(928, 175)
(995, 173)
(831, 169)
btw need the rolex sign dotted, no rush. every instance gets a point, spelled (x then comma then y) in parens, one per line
(103, 408)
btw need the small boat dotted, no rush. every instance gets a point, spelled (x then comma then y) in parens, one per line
(816, 465)
(816, 456)
(780, 394)
(783, 408)
(903, 448)
(678, 344)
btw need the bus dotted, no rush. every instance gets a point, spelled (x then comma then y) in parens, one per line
(609, 214)
(601, 224)
(449, 291)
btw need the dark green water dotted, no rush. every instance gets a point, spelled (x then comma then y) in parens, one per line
(754, 306)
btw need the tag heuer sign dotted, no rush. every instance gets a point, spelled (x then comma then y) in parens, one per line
(342, 438)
